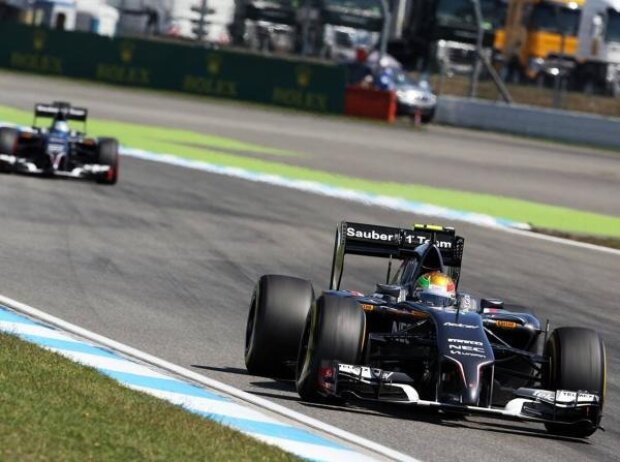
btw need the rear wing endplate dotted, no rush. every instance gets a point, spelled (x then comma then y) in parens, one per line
(388, 242)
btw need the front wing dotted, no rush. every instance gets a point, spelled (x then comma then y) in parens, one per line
(530, 404)
(17, 164)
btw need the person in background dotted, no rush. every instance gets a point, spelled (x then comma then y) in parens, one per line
(384, 76)
(359, 72)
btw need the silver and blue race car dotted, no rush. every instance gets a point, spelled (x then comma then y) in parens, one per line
(58, 150)
(471, 357)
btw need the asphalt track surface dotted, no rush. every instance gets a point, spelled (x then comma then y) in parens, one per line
(576, 177)
(166, 260)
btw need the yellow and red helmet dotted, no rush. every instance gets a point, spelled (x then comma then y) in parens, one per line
(435, 289)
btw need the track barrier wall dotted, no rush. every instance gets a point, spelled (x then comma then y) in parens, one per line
(567, 126)
(292, 83)
(178, 67)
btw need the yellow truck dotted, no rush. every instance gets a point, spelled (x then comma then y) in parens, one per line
(539, 39)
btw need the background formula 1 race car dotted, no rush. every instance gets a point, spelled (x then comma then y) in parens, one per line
(58, 150)
(469, 357)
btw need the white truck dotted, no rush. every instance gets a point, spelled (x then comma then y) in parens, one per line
(177, 18)
(183, 19)
(598, 55)
(96, 16)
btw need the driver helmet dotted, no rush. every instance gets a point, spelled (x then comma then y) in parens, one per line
(60, 125)
(435, 289)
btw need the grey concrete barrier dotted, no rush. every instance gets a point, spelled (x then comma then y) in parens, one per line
(573, 127)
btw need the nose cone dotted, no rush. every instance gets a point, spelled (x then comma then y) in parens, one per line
(471, 394)
(474, 378)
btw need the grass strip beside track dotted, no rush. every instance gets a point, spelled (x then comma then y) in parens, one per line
(53, 409)
(155, 135)
(190, 145)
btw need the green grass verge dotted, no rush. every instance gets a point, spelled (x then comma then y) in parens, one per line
(153, 136)
(53, 409)
(191, 145)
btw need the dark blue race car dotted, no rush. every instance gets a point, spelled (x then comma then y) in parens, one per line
(407, 344)
(59, 150)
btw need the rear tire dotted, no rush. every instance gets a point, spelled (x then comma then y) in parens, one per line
(107, 151)
(8, 141)
(335, 331)
(576, 363)
(276, 320)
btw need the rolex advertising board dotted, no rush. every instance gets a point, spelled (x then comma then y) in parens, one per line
(171, 66)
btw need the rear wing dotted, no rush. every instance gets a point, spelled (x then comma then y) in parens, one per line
(388, 242)
(64, 110)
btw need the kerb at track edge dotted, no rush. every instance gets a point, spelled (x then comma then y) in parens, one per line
(211, 383)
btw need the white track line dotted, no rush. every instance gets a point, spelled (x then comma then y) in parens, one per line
(210, 383)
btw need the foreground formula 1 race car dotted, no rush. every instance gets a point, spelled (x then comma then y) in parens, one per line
(59, 151)
(472, 357)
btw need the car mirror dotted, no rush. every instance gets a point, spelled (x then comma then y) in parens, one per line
(492, 303)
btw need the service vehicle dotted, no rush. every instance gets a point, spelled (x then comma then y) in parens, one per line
(414, 98)
(342, 26)
(429, 33)
(539, 39)
(59, 150)
(266, 25)
(332, 29)
(598, 53)
(404, 344)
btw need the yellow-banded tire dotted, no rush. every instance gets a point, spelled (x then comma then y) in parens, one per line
(577, 362)
(334, 332)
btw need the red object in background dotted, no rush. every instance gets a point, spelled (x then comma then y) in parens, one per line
(361, 55)
(369, 103)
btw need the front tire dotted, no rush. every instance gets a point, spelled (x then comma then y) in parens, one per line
(335, 332)
(576, 363)
(107, 154)
(276, 320)
(8, 142)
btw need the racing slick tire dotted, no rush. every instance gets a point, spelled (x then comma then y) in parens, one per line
(8, 140)
(107, 154)
(334, 332)
(577, 363)
(276, 321)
